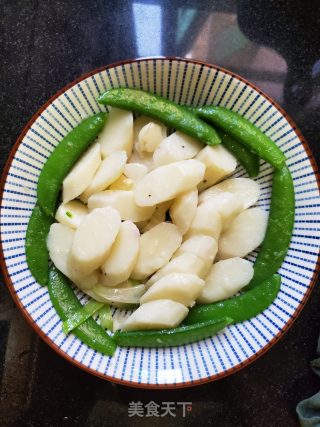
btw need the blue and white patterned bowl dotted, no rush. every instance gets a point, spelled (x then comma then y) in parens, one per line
(188, 82)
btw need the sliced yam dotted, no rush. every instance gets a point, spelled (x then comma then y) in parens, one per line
(157, 314)
(109, 171)
(139, 156)
(81, 174)
(150, 136)
(122, 183)
(204, 247)
(228, 205)
(177, 146)
(93, 240)
(225, 279)
(158, 216)
(183, 210)
(135, 157)
(246, 189)
(142, 158)
(86, 282)
(206, 221)
(156, 248)
(59, 244)
(138, 124)
(179, 287)
(245, 233)
(123, 202)
(117, 134)
(219, 164)
(122, 258)
(71, 213)
(184, 263)
(135, 171)
(169, 181)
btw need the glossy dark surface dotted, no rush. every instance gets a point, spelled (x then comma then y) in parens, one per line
(45, 45)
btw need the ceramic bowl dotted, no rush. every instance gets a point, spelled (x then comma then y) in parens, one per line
(186, 82)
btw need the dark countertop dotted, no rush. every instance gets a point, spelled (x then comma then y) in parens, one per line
(46, 44)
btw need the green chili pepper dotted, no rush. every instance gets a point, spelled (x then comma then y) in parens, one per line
(63, 158)
(244, 131)
(168, 112)
(105, 317)
(81, 315)
(171, 337)
(279, 230)
(247, 159)
(239, 308)
(66, 304)
(36, 245)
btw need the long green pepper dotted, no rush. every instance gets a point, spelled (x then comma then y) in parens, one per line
(80, 316)
(172, 337)
(63, 158)
(66, 304)
(239, 308)
(156, 107)
(243, 131)
(246, 158)
(279, 230)
(36, 245)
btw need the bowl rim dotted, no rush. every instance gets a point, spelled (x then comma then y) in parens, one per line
(37, 328)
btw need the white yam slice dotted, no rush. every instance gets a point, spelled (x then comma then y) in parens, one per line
(59, 244)
(158, 216)
(93, 239)
(179, 287)
(150, 136)
(184, 263)
(138, 124)
(245, 233)
(157, 314)
(71, 213)
(177, 146)
(117, 134)
(86, 282)
(135, 171)
(206, 221)
(122, 183)
(167, 182)
(109, 171)
(141, 157)
(219, 164)
(246, 189)
(183, 210)
(228, 205)
(204, 247)
(81, 174)
(122, 201)
(156, 248)
(124, 253)
(225, 279)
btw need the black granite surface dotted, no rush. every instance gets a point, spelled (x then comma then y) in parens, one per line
(44, 45)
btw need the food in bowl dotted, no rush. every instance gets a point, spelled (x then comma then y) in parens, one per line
(150, 216)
